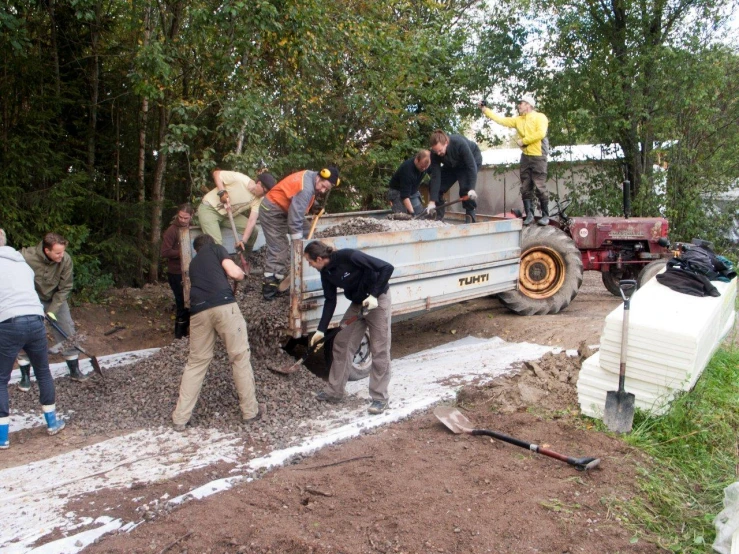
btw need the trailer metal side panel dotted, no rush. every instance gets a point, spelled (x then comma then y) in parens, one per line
(434, 267)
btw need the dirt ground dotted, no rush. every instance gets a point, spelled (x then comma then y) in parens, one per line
(407, 487)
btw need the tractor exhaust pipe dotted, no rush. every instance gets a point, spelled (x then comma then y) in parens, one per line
(627, 199)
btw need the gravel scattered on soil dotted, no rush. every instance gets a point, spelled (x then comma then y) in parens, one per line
(364, 225)
(143, 394)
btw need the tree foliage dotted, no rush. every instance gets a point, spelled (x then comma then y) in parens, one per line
(113, 112)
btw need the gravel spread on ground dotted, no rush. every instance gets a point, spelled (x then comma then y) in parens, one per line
(143, 394)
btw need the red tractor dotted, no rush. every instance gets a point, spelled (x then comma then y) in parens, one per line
(554, 256)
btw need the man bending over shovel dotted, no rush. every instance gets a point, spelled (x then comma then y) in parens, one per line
(239, 193)
(365, 282)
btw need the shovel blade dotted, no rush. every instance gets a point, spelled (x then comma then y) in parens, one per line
(96, 366)
(453, 419)
(289, 370)
(619, 413)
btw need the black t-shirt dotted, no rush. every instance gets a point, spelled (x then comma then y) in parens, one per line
(407, 178)
(209, 285)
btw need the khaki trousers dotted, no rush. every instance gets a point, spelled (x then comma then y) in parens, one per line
(212, 223)
(228, 323)
(348, 340)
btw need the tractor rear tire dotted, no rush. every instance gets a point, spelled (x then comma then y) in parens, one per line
(550, 275)
(612, 278)
(649, 271)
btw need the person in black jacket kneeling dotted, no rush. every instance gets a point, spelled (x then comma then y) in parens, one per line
(365, 283)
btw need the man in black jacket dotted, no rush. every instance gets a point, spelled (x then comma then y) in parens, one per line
(454, 158)
(365, 282)
(404, 184)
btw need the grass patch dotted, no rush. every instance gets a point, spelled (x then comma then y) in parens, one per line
(693, 448)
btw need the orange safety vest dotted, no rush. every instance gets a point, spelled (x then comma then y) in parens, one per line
(283, 192)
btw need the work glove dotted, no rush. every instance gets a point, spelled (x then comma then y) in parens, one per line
(296, 236)
(318, 335)
(472, 195)
(370, 303)
(431, 208)
(51, 316)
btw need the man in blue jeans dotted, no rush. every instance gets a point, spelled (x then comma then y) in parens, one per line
(22, 327)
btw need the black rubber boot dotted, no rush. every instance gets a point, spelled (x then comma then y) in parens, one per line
(180, 328)
(269, 287)
(25, 382)
(74, 371)
(529, 209)
(544, 219)
(440, 211)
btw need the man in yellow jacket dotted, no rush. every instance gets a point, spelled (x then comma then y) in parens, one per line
(531, 127)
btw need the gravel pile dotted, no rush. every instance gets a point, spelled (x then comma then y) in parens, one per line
(364, 225)
(143, 394)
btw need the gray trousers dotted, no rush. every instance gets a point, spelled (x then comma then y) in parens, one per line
(64, 318)
(398, 206)
(533, 173)
(274, 226)
(348, 340)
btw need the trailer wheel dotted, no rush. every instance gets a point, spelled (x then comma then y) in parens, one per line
(362, 362)
(550, 274)
(650, 271)
(612, 278)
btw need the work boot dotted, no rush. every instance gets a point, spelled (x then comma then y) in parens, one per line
(378, 406)
(470, 216)
(440, 213)
(74, 371)
(25, 382)
(544, 219)
(529, 210)
(269, 287)
(4, 430)
(53, 424)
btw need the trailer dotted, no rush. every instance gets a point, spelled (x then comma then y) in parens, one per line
(434, 267)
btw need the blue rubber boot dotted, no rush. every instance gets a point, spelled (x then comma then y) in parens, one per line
(53, 424)
(4, 429)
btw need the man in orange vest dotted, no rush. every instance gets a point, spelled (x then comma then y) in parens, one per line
(283, 213)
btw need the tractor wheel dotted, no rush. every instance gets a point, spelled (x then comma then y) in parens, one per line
(550, 274)
(612, 278)
(362, 362)
(649, 271)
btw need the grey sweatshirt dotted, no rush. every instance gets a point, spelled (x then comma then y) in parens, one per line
(17, 293)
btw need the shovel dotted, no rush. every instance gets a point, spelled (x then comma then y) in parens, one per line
(296, 366)
(619, 413)
(51, 318)
(458, 424)
(443, 205)
(244, 265)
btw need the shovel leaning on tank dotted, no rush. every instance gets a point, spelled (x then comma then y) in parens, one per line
(51, 318)
(619, 412)
(458, 424)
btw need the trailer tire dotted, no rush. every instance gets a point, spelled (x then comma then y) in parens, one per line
(550, 275)
(649, 272)
(362, 362)
(611, 279)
